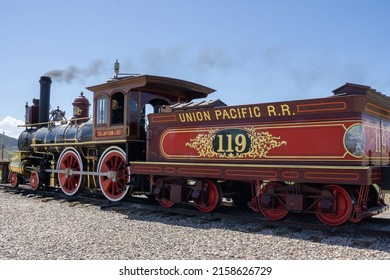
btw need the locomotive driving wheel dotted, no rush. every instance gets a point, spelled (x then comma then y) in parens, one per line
(341, 206)
(70, 161)
(213, 197)
(113, 184)
(272, 201)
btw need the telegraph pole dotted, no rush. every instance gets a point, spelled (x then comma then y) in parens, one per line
(2, 149)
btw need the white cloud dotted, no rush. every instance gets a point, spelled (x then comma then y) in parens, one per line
(9, 126)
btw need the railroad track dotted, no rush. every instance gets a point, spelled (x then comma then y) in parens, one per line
(249, 220)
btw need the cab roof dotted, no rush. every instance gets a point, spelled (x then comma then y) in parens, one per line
(156, 84)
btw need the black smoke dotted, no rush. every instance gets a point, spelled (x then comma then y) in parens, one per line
(72, 73)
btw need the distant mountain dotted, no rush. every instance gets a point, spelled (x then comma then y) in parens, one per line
(7, 146)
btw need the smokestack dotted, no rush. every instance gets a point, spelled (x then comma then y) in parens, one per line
(44, 99)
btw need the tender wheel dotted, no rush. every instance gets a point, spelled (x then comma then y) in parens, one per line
(35, 182)
(272, 202)
(213, 197)
(70, 161)
(14, 180)
(162, 192)
(166, 203)
(342, 207)
(113, 185)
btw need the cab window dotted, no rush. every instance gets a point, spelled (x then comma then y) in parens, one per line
(102, 110)
(117, 111)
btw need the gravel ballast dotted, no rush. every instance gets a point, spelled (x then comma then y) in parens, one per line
(38, 229)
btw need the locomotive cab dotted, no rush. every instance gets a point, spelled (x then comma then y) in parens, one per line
(122, 105)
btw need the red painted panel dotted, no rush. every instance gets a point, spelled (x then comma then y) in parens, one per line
(316, 141)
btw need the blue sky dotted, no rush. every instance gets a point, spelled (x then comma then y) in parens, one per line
(250, 51)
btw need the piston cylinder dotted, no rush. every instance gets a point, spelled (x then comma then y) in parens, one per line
(19, 162)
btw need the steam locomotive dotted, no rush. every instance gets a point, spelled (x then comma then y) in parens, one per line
(328, 156)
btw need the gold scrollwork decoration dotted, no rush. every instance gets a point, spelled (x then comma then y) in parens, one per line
(258, 146)
(262, 143)
(203, 143)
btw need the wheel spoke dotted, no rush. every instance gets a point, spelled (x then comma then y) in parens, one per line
(106, 185)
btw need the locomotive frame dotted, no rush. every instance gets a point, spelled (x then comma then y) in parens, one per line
(328, 156)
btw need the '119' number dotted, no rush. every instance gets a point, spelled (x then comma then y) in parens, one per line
(231, 141)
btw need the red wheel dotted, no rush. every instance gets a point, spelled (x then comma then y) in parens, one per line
(34, 180)
(342, 207)
(213, 196)
(166, 203)
(14, 180)
(272, 202)
(113, 184)
(70, 161)
(161, 193)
